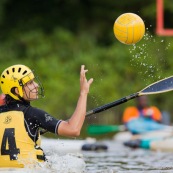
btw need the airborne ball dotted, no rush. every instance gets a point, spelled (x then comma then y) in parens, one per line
(129, 28)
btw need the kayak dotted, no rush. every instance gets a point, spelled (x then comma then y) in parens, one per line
(122, 136)
(148, 139)
(165, 145)
(143, 125)
(62, 146)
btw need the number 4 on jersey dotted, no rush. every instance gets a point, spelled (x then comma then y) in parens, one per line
(8, 146)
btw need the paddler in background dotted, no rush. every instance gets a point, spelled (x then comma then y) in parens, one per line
(20, 122)
(142, 117)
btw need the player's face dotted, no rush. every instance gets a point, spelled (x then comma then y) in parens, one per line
(30, 90)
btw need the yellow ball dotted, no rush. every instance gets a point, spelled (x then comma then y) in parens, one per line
(129, 28)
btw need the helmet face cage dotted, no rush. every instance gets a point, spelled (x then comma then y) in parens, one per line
(38, 88)
(17, 76)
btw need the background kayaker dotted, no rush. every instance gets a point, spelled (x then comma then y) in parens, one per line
(142, 109)
(136, 118)
(20, 122)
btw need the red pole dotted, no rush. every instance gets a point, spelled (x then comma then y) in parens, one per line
(160, 16)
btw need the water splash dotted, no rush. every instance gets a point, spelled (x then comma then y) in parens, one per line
(147, 58)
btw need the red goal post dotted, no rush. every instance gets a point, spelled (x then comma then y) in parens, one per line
(160, 30)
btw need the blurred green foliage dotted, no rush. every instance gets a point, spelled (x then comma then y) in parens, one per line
(56, 37)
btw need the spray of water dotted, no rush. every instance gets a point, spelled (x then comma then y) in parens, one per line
(147, 57)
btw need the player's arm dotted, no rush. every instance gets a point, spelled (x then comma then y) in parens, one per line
(73, 126)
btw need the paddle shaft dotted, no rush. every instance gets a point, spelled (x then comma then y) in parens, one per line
(112, 104)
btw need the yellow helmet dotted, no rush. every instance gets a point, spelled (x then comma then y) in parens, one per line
(15, 76)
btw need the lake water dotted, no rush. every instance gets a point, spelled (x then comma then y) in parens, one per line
(66, 156)
(121, 159)
(117, 159)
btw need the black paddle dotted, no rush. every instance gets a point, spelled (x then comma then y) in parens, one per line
(160, 86)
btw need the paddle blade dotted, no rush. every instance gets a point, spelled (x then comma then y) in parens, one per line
(103, 129)
(161, 86)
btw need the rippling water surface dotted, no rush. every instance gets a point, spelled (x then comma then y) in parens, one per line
(121, 159)
(65, 156)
